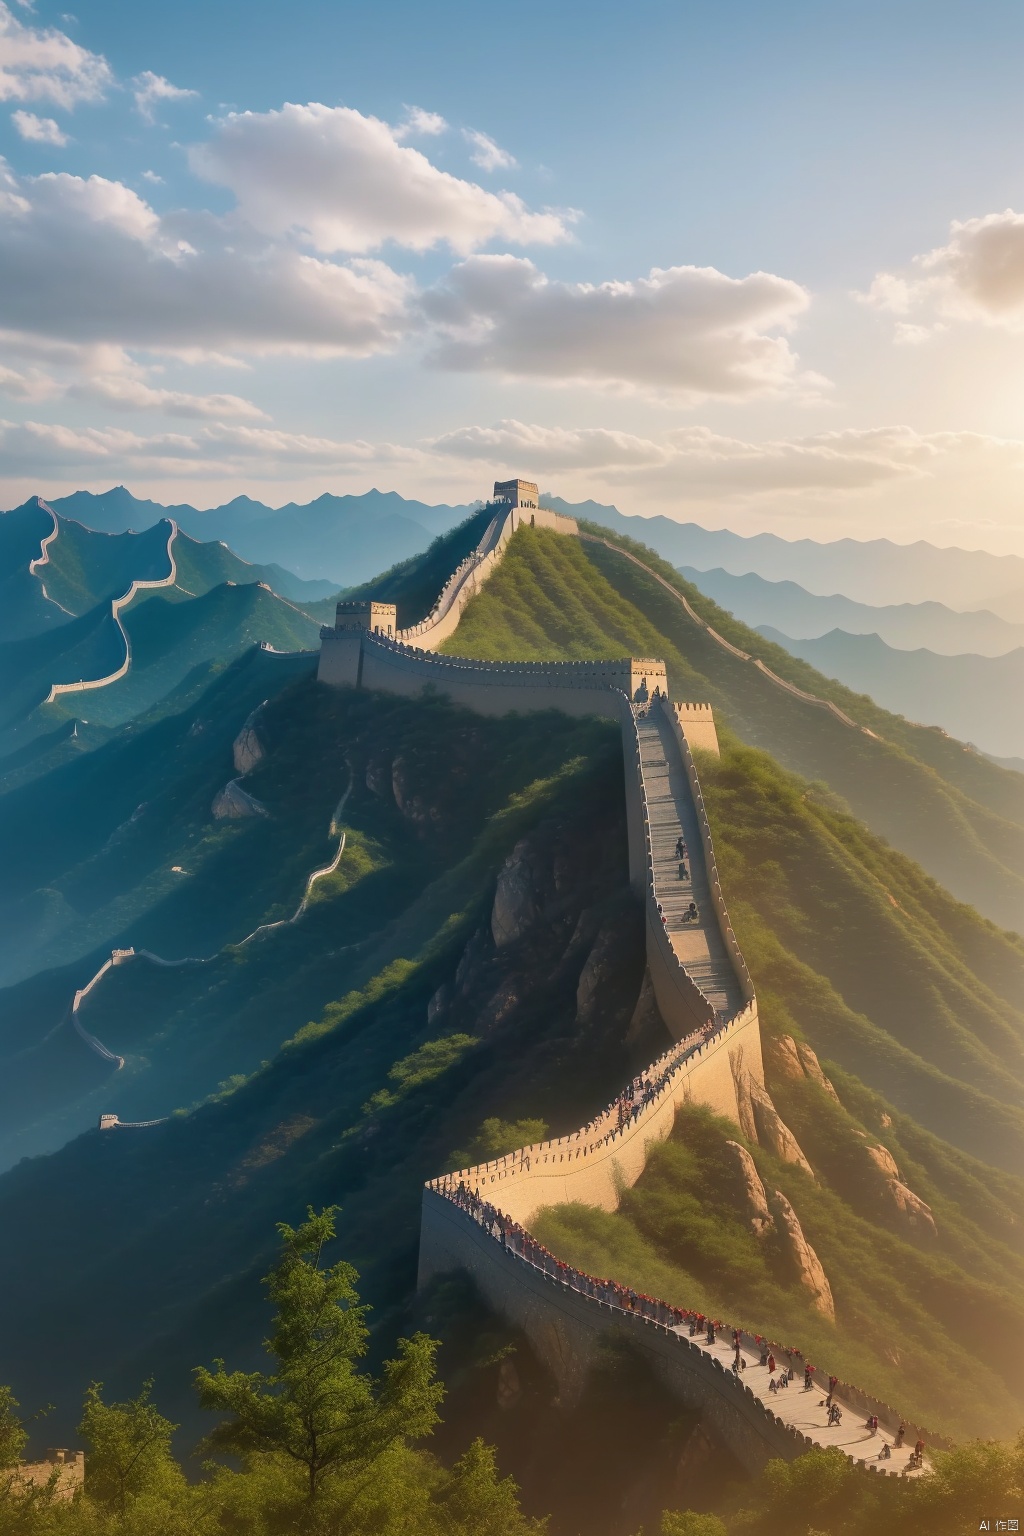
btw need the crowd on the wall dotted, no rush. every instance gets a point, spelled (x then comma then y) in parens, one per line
(783, 1364)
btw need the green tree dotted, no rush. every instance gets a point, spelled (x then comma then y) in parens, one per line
(316, 1410)
(476, 1502)
(129, 1449)
(686, 1522)
(13, 1433)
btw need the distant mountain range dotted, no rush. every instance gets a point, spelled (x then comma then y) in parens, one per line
(804, 615)
(976, 698)
(340, 540)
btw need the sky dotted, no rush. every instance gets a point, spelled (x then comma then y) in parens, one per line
(752, 265)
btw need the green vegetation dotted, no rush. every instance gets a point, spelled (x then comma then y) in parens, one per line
(85, 568)
(314, 1445)
(958, 815)
(414, 584)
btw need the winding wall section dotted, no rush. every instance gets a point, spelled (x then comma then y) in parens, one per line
(478, 1219)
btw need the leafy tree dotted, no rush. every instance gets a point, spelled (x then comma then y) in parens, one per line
(13, 1434)
(687, 1522)
(316, 1410)
(476, 1502)
(129, 1449)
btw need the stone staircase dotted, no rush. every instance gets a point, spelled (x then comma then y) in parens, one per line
(671, 810)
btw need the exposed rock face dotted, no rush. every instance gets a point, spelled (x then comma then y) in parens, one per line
(911, 1212)
(233, 802)
(515, 907)
(884, 1161)
(756, 1199)
(439, 1002)
(741, 1081)
(914, 1214)
(645, 1015)
(782, 1053)
(247, 749)
(812, 1067)
(412, 805)
(796, 1062)
(806, 1262)
(597, 971)
(772, 1130)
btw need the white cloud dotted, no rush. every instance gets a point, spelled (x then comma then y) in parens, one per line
(38, 130)
(486, 154)
(44, 64)
(688, 330)
(978, 275)
(132, 394)
(31, 385)
(151, 176)
(418, 120)
(694, 463)
(48, 449)
(89, 262)
(149, 89)
(345, 182)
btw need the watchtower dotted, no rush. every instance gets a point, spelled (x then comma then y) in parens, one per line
(517, 493)
(381, 618)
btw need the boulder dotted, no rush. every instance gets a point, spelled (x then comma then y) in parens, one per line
(808, 1266)
(754, 1195)
(772, 1130)
(234, 802)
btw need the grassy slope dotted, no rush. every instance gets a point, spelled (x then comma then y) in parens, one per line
(556, 598)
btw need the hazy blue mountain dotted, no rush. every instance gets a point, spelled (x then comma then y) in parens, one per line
(342, 540)
(907, 626)
(977, 698)
(874, 571)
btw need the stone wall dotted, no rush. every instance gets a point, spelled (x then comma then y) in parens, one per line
(593, 1165)
(567, 1329)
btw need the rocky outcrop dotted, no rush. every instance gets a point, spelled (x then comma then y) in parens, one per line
(772, 1130)
(898, 1200)
(753, 1190)
(598, 970)
(795, 1062)
(515, 907)
(247, 749)
(234, 803)
(805, 1261)
(645, 1015)
(914, 1215)
(812, 1067)
(741, 1082)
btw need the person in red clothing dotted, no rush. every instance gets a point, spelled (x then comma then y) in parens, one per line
(771, 1363)
(808, 1376)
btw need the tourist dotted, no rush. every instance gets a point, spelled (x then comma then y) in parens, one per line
(772, 1388)
(884, 1454)
(711, 1333)
(901, 1434)
(771, 1363)
(835, 1417)
(808, 1373)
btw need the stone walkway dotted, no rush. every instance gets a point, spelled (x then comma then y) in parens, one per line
(671, 810)
(802, 1409)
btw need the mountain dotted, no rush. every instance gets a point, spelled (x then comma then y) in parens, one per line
(874, 571)
(783, 605)
(340, 539)
(386, 1034)
(976, 698)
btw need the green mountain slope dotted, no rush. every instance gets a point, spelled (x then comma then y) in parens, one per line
(959, 815)
(350, 1055)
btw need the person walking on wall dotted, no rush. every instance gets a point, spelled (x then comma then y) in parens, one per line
(901, 1435)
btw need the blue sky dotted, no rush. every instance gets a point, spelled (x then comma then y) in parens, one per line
(754, 265)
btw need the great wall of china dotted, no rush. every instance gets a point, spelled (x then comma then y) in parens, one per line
(477, 1220)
